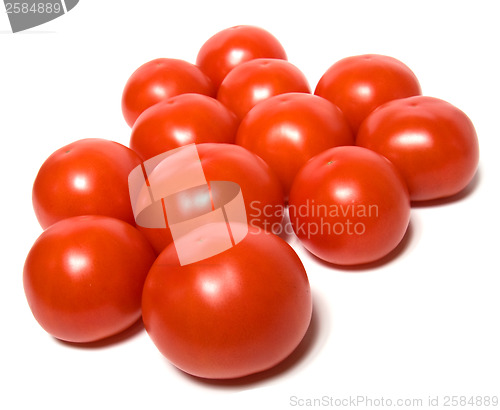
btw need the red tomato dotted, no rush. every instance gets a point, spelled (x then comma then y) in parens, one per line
(86, 177)
(349, 205)
(236, 313)
(431, 142)
(235, 45)
(84, 276)
(256, 80)
(288, 129)
(182, 120)
(158, 80)
(261, 189)
(359, 84)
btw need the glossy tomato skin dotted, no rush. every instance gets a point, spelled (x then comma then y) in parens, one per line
(256, 80)
(182, 120)
(234, 314)
(431, 142)
(289, 129)
(349, 206)
(86, 177)
(83, 277)
(259, 184)
(233, 46)
(260, 187)
(158, 80)
(359, 84)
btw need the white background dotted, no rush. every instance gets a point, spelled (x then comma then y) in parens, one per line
(425, 323)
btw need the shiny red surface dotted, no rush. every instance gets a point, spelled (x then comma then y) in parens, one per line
(260, 187)
(256, 80)
(289, 129)
(86, 177)
(158, 80)
(432, 143)
(182, 120)
(359, 84)
(83, 277)
(233, 46)
(349, 206)
(234, 314)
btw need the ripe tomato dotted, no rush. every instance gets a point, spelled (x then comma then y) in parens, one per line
(235, 45)
(83, 277)
(288, 129)
(261, 189)
(182, 120)
(359, 84)
(239, 312)
(86, 177)
(432, 143)
(349, 205)
(158, 80)
(256, 80)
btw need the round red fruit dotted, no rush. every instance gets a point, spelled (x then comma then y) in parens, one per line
(432, 143)
(359, 84)
(182, 120)
(86, 177)
(349, 206)
(260, 187)
(289, 129)
(239, 312)
(256, 80)
(84, 276)
(158, 80)
(233, 46)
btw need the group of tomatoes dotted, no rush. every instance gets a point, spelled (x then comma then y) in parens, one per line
(345, 164)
